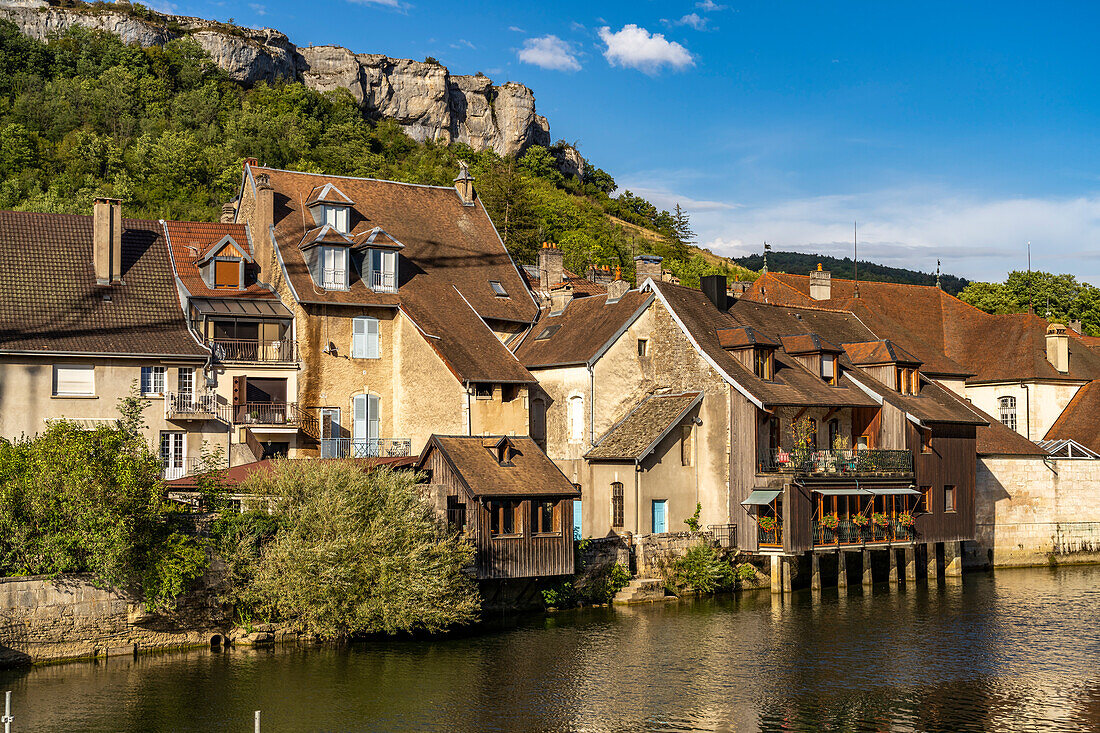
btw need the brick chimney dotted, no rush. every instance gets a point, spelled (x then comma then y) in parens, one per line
(560, 297)
(1058, 347)
(617, 288)
(821, 284)
(551, 266)
(464, 184)
(647, 267)
(107, 240)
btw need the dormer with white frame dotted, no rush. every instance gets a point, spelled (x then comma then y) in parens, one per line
(222, 265)
(327, 253)
(330, 206)
(379, 259)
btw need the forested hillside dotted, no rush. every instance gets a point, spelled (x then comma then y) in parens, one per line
(165, 130)
(799, 263)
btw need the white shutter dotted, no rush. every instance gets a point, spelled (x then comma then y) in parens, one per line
(389, 266)
(359, 337)
(74, 379)
(359, 426)
(373, 417)
(372, 349)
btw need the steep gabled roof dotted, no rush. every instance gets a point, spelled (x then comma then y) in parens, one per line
(188, 240)
(327, 193)
(49, 300)
(582, 331)
(637, 434)
(809, 343)
(1080, 421)
(867, 353)
(324, 234)
(473, 461)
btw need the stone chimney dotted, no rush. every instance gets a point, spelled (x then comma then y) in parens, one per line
(617, 288)
(107, 240)
(1077, 326)
(464, 184)
(821, 284)
(551, 266)
(714, 287)
(647, 267)
(560, 297)
(229, 212)
(1058, 347)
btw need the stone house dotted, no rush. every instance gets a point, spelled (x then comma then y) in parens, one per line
(403, 299)
(88, 308)
(250, 383)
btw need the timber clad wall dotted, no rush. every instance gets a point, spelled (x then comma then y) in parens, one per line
(952, 462)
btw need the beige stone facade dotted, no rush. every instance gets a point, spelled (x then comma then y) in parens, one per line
(1038, 403)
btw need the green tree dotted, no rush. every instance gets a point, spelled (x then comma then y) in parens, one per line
(1055, 297)
(355, 552)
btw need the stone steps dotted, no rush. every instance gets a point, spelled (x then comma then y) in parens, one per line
(642, 590)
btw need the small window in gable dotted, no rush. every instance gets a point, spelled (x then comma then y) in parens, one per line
(227, 274)
(498, 289)
(763, 363)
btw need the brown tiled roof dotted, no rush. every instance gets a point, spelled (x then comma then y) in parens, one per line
(809, 343)
(634, 436)
(49, 300)
(997, 439)
(582, 287)
(474, 461)
(445, 241)
(235, 476)
(878, 352)
(188, 239)
(950, 337)
(581, 331)
(325, 234)
(933, 403)
(743, 336)
(1080, 421)
(327, 193)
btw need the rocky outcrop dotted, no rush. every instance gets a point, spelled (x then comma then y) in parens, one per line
(423, 98)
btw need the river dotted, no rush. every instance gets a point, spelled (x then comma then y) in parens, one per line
(1015, 651)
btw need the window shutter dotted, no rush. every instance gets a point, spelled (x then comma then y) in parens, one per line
(373, 417)
(74, 380)
(240, 390)
(359, 338)
(372, 348)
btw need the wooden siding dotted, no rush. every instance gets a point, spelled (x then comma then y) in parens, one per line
(521, 556)
(952, 462)
(892, 430)
(744, 421)
(798, 509)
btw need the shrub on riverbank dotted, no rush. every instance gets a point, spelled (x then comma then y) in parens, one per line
(90, 501)
(346, 552)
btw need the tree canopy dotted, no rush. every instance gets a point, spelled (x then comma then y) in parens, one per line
(1054, 297)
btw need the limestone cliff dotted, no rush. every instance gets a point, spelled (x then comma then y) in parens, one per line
(424, 98)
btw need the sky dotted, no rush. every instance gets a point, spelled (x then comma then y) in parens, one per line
(949, 131)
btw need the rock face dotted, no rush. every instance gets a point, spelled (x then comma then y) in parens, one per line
(423, 98)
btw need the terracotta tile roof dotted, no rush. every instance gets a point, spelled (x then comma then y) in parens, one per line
(188, 240)
(580, 332)
(473, 459)
(233, 477)
(809, 343)
(445, 241)
(49, 300)
(1080, 421)
(635, 435)
(582, 287)
(878, 352)
(950, 337)
(933, 404)
(744, 336)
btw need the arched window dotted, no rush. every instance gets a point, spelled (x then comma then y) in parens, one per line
(1007, 411)
(576, 418)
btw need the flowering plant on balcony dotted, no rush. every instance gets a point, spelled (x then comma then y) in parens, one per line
(906, 519)
(880, 520)
(859, 520)
(768, 524)
(830, 521)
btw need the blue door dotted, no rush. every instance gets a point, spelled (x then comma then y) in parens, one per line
(660, 516)
(577, 519)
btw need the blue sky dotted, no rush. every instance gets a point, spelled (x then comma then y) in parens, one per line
(956, 131)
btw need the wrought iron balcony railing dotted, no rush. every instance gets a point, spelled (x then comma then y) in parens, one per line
(196, 406)
(769, 537)
(280, 351)
(277, 413)
(854, 462)
(173, 468)
(365, 448)
(848, 532)
(383, 282)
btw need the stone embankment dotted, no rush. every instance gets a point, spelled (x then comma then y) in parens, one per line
(424, 98)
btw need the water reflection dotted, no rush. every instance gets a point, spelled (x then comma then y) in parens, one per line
(1014, 652)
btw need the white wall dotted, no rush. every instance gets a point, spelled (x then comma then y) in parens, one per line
(1047, 400)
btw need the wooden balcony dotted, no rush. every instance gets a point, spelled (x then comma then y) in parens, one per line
(848, 533)
(254, 351)
(863, 462)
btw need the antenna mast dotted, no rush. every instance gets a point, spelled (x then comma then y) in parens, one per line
(1030, 294)
(855, 247)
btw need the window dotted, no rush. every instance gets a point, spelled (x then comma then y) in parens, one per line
(924, 503)
(502, 518)
(545, 517)
(498, 289)
(834, 433)
(617, 510)
(1006, 407)
(949, 498)
(685, 445)
(336, 217)
(364, 338)
(171, 454)
(763, 363)
(185, 381)
(483, 390)
(925, 440)
(863, 442)
(334, 268)
(153, 380)
(538, 420)
(456, 513)
(643, 347)
(72, 380)
(547, 332)
(365, 426)
(829, 371)
(383, 271)
(227, 274)
(908, 380)
(576, 418)
(509, 392)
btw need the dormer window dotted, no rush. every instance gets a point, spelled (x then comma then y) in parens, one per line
(227, 273)
(763, 363)
(222, 265)
(335, 216)
(503, 451)
(498, 289)
(830, 370)
(908, 380)
(330, 206)
(334, 268)
(382, 277)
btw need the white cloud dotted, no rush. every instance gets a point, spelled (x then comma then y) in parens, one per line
(709, 5)
(637, 48)
(395, 4)
(693, 20)
(258, 9)
(463, 43)
(162, 6)
(549, 52)
(516, 29)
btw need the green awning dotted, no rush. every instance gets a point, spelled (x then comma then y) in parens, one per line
(844, 491)
(761, 497)
(894, 490)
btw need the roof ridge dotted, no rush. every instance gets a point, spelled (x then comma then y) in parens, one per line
(354, 178)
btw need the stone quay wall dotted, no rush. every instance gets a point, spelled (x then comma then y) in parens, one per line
(1031, 512)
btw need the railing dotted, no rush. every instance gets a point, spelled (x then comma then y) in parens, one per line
(769, 537)
(849, 533)
(279, 351)
(173, 469)
(725, 535)
(277, 413)
(854, 462)
(201, 406)
(334, 279)
(365, 448)
(383, 282)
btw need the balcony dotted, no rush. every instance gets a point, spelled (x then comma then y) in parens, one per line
(847, 532)
(174, 468)
(191, 406)
(383, 282)
(863, 462)
(228, 351)
(279, 414)
(770, 536)
(366, 448)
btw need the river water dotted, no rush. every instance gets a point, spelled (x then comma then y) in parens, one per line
(1015, 651)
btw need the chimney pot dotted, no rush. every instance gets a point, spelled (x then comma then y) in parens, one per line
(821, 284)
(551, 266)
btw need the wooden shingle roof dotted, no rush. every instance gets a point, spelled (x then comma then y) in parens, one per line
(636, 435)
